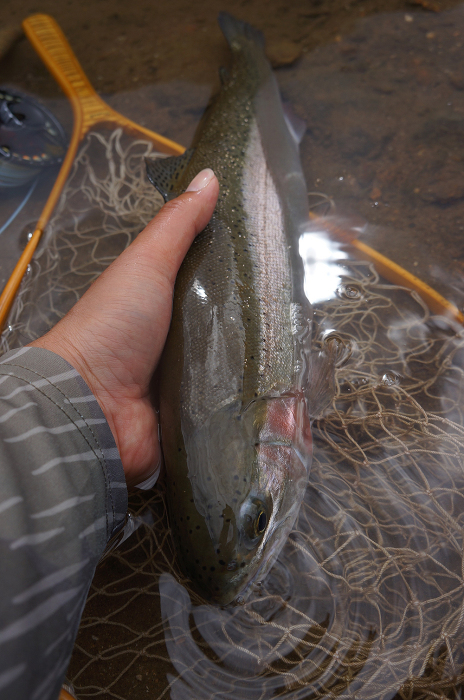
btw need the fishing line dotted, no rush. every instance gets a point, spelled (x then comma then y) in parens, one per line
(20, 207)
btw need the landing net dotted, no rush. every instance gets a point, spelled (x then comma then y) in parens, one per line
(366, 600)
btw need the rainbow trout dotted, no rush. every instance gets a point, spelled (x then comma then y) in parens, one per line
(237, 371)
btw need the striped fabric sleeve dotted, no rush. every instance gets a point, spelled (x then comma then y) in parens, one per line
(62, 497)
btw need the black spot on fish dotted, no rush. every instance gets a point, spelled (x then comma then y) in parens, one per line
(242, 564)
(188, 517)
(204, 568)
(212, 568)
(222, 562)
(197, 527)
(236, 477)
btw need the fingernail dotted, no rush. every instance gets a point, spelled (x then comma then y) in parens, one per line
(201, 180)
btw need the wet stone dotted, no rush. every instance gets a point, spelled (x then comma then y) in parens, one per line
(444, 191)
(456, 80)
(283, 53)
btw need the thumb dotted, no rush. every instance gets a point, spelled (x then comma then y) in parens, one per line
(166, 239)
(133, 296)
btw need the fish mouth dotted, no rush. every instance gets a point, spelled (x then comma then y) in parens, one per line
(235, 591)
(272, 551)
(233, 587)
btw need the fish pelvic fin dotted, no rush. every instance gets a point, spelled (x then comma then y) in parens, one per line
(296, 125)
(234, 30)
(224, 75)
(320, 390)
(165, 173)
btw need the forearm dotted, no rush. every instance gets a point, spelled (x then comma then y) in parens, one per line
(62, 496)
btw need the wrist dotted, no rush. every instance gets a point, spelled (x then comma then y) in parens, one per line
(58, 344)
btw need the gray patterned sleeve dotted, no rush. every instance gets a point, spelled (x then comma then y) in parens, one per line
(62, 497)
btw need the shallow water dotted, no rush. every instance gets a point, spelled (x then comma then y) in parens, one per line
(366, 598)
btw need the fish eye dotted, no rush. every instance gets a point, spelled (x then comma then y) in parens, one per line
(261, 522)
(254, 521)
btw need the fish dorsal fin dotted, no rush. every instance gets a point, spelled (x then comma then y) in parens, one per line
(165, 173)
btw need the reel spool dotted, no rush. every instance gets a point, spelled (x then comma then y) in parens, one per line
(31, 139)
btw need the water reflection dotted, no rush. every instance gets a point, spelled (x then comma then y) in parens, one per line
(320, 255)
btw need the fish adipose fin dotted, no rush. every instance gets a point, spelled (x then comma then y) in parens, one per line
(233, 29)
(164, 173)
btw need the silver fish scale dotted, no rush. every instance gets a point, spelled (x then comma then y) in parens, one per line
(237, 308)
(272, 281)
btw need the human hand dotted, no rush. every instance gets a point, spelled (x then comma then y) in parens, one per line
(116, 332)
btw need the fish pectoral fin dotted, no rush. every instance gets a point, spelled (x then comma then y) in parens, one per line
(165, 173)
(296, 125)
(224, 75)
(320, 390)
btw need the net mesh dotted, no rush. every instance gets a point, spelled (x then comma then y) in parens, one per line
(366, 598)
(106, 201)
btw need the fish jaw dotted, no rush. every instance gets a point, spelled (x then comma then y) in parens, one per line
(247, 474)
